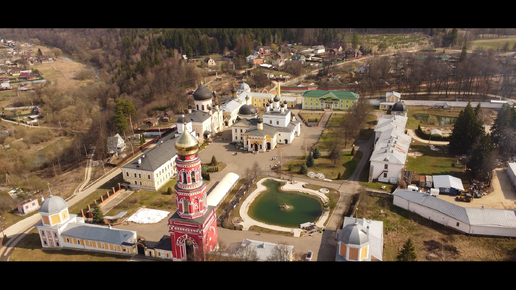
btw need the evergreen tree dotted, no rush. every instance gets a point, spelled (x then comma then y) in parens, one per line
(214, 160)
(355, 42)
(482, 161)
(123, 109)
(464, 53)
(316, 153)
(304, 169)
(353, 151)
(310, 160)
(169, 191)
(407, 253)
(466, 130)
(98, 215)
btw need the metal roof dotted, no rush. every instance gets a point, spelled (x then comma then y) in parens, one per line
(155, 157)
(222, 188)
(97, 233)
(447, 181)
(469, 215)
(437, 204)
(263, 249)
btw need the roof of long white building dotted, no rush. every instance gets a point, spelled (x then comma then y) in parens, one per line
(392, 146)
(222, 188)
(468, 215)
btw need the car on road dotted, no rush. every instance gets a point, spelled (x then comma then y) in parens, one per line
(309, 255)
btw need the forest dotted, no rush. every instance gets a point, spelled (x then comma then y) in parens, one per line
(146, 67)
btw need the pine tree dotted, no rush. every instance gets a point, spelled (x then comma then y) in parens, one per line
(407, 253)
(310, 160)
(214, 160)
(316, 153)
(304, 169)
(353, 151)
(98, 215)
(467, 129)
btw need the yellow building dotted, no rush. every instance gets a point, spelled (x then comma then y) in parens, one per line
(59, 229)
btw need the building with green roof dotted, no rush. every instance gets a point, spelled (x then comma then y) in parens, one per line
(322, 99)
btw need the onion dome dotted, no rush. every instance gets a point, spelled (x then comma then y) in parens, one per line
(202, 93)
(244, 87)
(53, 204)
(285, 102)
(276, 98)
(399, 107)
(260, 120)
(186, 144)
(354, 234)
(267, 105)
(247, 110)
(282, 105)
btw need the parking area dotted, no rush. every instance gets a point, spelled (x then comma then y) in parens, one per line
(503, 195)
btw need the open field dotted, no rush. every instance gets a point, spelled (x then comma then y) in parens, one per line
(432, 241)
(495, 44)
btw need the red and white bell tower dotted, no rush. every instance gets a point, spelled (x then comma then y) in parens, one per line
(193, 227)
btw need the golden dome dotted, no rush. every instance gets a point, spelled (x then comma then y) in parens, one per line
(186, 144)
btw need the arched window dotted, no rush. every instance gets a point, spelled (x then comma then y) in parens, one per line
(203, 107)
(185, 206)
(193, 176)
(184, 177)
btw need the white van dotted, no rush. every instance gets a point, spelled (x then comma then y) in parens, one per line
(413, 188)
(433, 191)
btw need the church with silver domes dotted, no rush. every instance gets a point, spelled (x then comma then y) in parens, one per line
(261, 134)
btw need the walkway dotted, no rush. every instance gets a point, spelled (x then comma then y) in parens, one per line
(298, 186)
(412, 134)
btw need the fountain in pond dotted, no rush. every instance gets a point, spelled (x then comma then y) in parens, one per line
(284, 208)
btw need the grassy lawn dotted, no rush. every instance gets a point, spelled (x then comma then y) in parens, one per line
(433, 114)
(350, 163)
(310, 117)
(160, 200)
(432, 241)
(497, 43)
(435, 163)
(76, 209)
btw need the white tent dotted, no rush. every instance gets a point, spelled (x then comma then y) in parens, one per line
(224, 186)
(448, 181)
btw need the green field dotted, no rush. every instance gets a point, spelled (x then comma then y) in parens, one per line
(495, 44)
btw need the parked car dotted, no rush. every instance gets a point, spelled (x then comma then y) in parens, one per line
(309, 255)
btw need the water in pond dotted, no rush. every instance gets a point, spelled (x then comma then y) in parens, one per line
(435, 119)
(266, 207)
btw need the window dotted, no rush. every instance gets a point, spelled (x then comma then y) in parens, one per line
(236, 130)
(270, 122)
(140, 183)
(386, 166)
(240, 130)
(385, 175)
(135, 175)
(139, 175)
(135, 182)
(148, 176)
(277, 122)
(127, 174)
(457, 223)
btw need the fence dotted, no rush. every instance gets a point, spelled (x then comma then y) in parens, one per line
(87, 212)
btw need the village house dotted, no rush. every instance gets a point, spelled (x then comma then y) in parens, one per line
(318, 49)
(28, 206)
(353, 53)
(263, 50)
(210, 61)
